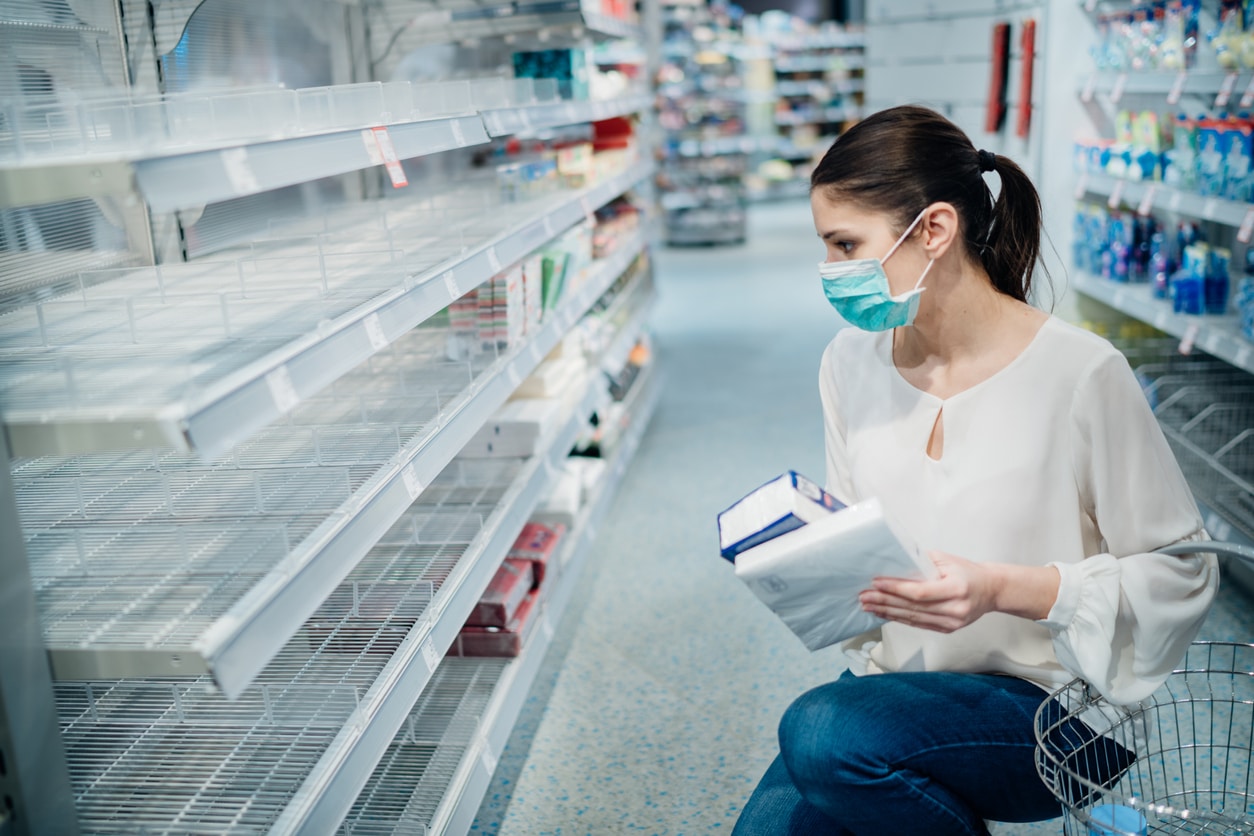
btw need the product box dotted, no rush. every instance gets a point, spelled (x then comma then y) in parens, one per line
(533, 292)
(553, 277)
(1238, 162)
(1182, 173)
(562, 503)
(515, 431)
(537, 544)
(1211, 141)
(552, 379)
(500, 601)
(507, 641)
(568, 66)
(781, 505)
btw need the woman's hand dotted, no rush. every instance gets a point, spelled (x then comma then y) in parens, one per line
(963, 593)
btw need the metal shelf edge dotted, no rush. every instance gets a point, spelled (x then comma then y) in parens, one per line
(457, 810)
(243, 402)
(536, 117)
(1214, 335)
(1165, 198)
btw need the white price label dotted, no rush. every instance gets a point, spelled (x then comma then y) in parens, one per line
(374, 332)
(1116, 195)
(1086, 95)
(588, 212)
(514, 377)
(1082, 186)
(1210, 208)
(1120, 297)
(372, 147)
(1243, 357)
(459, 136)
(410, 477)
(572, 114)
(1176, 198)
(1246, 231)
(1177, 88)
(1116, 92)
(1209, 342)
(430, 656)
(1147, 200)
(1161, 319)
(282, 390)
(239, 171)
(1225, 90)
(1190, 337)
(1247, 98)
(494, 261)
(451, 284)
(487, 758)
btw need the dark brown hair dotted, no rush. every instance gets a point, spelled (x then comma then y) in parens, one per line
(900, 160)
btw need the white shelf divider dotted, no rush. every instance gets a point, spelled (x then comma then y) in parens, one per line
(231, 408)
(1219, 336)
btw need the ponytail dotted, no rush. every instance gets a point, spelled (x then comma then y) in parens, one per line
(899, 160)
(1014, 234)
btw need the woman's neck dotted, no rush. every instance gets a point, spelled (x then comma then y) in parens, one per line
(963, 317)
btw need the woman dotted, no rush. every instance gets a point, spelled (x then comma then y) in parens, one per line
(1018, 447)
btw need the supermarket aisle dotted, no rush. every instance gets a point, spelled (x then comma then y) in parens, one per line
(662, 715)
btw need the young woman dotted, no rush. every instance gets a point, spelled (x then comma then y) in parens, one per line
(1017, 447)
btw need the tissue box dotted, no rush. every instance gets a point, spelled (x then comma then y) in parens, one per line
(503, 597)
(536, 544)
(497, 641)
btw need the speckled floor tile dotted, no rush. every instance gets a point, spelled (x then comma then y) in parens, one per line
(655, 712)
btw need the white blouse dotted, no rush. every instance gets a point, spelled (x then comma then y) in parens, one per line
(1056, 460)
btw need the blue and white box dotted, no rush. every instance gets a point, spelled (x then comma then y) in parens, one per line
(781, 505)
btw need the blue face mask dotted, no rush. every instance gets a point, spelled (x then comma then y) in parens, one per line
(858, 290)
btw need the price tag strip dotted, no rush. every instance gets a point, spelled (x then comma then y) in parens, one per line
(1177, 89)
(1086, 95)
(1147, 200)
(1116, 92)
(279, 382)
(374, 332)
(412, 486)
(1246, 231)
(1225, 90)
(1247, 98)
(430, 656)
(1116, 195)
(239, 171)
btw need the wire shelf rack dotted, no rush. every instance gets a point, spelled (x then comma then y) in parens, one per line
(407, 786)
(172, 756)
(199, 356)
(1206, 410)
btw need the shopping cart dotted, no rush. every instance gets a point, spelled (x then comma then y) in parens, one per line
(1177, 763)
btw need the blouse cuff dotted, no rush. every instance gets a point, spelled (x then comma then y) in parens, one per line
(1068, 601)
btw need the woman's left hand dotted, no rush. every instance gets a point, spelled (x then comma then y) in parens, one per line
(963, 593)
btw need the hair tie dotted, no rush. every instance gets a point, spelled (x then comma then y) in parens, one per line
(987, 160)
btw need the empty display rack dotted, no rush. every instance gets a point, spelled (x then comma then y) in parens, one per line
(433, 776)
(309, 731)
(91, 380)
(280, 532)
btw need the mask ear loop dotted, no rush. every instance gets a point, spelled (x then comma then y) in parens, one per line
(909, 229)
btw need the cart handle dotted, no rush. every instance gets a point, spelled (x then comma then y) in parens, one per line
(1236, 550)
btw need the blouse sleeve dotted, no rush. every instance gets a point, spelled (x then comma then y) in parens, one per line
(1124, 618)
(838, 482)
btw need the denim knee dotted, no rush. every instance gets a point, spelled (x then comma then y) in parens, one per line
(831, 739)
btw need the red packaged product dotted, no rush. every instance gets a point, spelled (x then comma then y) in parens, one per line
(536, 544)
(497, 641)
(501, 600)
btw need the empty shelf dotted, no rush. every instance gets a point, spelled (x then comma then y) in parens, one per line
(433, 776)
(242, 342)
(312, 727)
(252, 544)
(537, 117)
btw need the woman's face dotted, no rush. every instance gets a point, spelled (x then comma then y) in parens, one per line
(849, 231)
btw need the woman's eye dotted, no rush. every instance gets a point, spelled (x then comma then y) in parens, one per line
(845, 247)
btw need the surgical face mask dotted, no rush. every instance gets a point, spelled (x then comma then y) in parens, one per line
(858, 290)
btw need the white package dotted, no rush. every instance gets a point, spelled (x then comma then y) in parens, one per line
(811, 577)
(515, 430)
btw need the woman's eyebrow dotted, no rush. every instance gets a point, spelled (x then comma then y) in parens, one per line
(834, 233)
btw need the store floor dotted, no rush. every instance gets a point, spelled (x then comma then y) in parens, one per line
(657, 707)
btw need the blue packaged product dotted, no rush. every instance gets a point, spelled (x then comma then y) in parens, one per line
(1187, 293)
(1158, 267)
(1211, 142)
(1217, 284)
(1238, 162)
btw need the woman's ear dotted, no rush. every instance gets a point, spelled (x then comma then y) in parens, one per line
(940, 228)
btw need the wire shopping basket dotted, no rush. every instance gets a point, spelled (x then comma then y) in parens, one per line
(1176, 763)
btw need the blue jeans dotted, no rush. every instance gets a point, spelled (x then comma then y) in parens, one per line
(909, 753)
